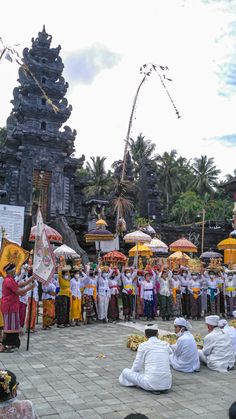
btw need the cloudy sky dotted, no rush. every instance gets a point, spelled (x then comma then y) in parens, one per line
(104, 43)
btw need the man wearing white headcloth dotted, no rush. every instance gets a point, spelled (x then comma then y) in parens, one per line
(230, 330)
(151, 368)
(217, 352)
(185, 356)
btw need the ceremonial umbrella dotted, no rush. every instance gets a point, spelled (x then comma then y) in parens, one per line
(179, 255)
(52, 235)
(183, 245)
(66, 251)
(228, 244)
(210, 255)
(137, 237)
(99, 234)
(114, 256)
(142, 250)
(157, 246)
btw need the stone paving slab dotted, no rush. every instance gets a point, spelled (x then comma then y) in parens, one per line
(64, 377)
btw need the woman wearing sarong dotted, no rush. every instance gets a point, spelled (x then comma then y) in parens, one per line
(139, 311)
(63, 297)
(195, 296)
(76, 303)
(147, 294)
(128, 292)
(230, 292)
(185, 292)
(33, 306)
(165, 295)
(11, 290)
(176, 295)
(204, 292)
(212, 293)
(89, 295)
(48, 299)
(113, 307)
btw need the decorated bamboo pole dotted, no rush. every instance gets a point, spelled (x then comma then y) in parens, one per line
(146, 69)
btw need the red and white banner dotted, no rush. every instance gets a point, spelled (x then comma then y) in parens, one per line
(44, 260)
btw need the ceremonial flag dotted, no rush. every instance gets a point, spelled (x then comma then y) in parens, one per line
(44, 260)
(11, 253)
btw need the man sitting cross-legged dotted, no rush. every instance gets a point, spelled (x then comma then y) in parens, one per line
(151, 368)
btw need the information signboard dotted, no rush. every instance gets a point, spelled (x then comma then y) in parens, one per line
(12, 222)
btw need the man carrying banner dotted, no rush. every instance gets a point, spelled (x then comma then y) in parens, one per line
(11, 290)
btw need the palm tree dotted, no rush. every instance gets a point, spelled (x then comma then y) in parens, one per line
(141, 150)
(206, 175)
(100, 180)
(167, 168)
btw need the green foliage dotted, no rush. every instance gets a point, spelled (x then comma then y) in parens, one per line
(206, 175)
(99, 180)
(142, 222)
(186, 208)
(185, 186)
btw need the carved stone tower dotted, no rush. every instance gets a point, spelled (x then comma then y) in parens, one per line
(37, 157)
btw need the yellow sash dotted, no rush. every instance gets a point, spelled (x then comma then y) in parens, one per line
(195, 293)
(174, 290)
(230, 289)
(129, 287)
(94, 290)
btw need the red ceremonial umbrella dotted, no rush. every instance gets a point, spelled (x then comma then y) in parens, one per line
(114, 256)
(53, 235)
(183, 245)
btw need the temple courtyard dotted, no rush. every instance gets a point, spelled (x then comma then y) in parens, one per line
(73, 373)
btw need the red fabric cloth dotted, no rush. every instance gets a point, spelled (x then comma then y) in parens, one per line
(10, 299)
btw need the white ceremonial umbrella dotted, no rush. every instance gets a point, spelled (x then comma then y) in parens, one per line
(157, 246)
(66, 251)
(137, 237)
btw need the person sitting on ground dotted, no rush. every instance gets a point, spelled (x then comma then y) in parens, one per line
(10, 407)
(151, 367)
(230, 330)
(232, 411)
(217, 352)
(185, 353)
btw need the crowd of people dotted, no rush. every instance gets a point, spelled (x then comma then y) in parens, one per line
(83, 294)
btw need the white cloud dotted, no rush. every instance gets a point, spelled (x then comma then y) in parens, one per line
(191, 37)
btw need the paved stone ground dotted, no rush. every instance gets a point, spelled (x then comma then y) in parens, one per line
(63, 377)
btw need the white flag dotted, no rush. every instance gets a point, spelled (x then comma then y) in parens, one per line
(44, 260)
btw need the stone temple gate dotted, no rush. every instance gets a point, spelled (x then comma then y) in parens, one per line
(36, 162)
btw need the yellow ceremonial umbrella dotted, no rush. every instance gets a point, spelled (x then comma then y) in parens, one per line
(142, 250)
(229, 246)
(179, 255)
(137, 237)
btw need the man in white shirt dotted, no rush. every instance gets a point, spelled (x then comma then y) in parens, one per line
(151, 368)
(185, 356)
(217, 352)
(230, 330)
